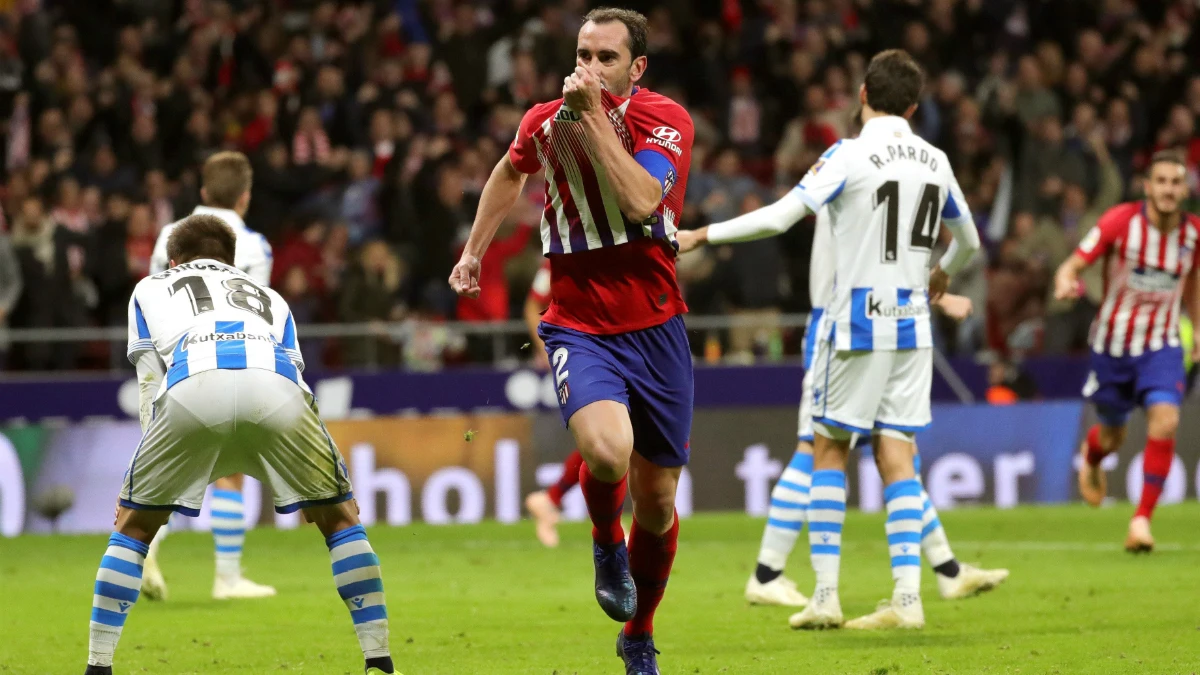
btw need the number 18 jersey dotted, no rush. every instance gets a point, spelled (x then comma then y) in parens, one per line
(205, 315)
(886, 191)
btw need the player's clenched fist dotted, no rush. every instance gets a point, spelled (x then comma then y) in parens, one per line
(464, 279)
(581, 90)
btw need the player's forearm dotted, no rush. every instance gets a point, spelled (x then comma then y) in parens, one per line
(638, 193)
(769, 221)
(1070, 269)
(963, 247)
(150, 371)
(500, 192)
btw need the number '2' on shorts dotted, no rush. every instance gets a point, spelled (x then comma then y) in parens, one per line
(649, 371)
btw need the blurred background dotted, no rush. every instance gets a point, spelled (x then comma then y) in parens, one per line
(373, 125)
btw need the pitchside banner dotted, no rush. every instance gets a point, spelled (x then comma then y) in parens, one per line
(459, 468)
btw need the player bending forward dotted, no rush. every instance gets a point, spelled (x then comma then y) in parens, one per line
(225, 190)
(1149, 250)
(873, 363)
(790, 496)
(546, 505)
(232, 401)
(616, 160)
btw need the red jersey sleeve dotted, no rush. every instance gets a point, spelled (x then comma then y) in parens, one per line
(663, 127)
(523, 151)
(1111, 227)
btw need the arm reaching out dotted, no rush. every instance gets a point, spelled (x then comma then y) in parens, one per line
(769, 221)
(499, 194)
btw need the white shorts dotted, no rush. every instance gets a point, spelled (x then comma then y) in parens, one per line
(805, 423)
(871, 392)
(218, 423)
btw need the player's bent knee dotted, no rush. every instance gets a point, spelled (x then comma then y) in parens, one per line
(332, 518)
(1162, 420)
(141, 524)
(234, 482)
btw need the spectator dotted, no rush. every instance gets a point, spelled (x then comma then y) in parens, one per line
(360, 199)
(10, 290)
(310, 143)
(373, 295)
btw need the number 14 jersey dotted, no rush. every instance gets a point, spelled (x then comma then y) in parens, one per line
(886, 191)
(205, 315)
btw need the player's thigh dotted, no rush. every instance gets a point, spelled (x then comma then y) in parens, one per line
(904, 405)
(1160, 380)
(847, 390)
(172, 465)
(653, 489)
(1111, 386)
(658, 366)
(290, 449)
(592, 394)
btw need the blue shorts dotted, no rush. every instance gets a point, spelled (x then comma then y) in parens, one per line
(1118, 384)
(649, 371)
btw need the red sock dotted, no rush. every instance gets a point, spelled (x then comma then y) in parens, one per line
(1156, 464)
(604, 502)
(650, 559)
(568, 479)
(1094, 452)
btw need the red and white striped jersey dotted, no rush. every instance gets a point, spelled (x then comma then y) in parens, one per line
(608, 275)
(1145, 270)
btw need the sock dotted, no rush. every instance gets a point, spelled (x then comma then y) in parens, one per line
(826, 515)
(118, 583)
(934, 544)
(359, 582)
(1156, 464)
(650, 559)
(1094, 452)
(904, 511)
(568, 479)
(605, 502)
(229, 531)
(785, 518)
(158, 539)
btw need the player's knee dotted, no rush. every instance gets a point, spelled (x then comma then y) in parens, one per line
(1111, 437)
(606, 454)
(141, 525)
(1163, 421)
(655, 512)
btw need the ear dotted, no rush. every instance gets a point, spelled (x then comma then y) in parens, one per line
(909, 113)
(203, 196)
(637, 69)
(862, 94)
(172, 263)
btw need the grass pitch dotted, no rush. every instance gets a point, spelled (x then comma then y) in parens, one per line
(488, 600)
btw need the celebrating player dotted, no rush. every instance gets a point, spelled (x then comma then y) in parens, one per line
(220, 391)
(546, 505)
(790, 496)
(616, 159)
(1149, 249)
(225, 190)
(874, 352)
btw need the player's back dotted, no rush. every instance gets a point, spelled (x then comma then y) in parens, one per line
(205, 315)
(887, 192)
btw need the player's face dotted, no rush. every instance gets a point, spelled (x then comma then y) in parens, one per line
(1166, 186)
(604, 49)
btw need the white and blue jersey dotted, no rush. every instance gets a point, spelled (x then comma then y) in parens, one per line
(205, 315)
(886, 194)
(252, 254)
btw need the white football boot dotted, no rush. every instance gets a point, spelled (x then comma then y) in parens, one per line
(154, 587)
(970, 581)
(1139, 539)
(823, 611)
(778, 591)
(545, 515)
(902, 611)
(239, 588)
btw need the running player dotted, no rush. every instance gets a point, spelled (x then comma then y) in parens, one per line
(873, 363)
(205, 327)
(1149, 250)
(616, 158)
(225, 190)
(790, 496)
(546, 505)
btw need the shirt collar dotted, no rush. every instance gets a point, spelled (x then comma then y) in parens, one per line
(892, 123)
(230, 217)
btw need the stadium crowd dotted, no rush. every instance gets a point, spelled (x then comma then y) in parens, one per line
(373, 124)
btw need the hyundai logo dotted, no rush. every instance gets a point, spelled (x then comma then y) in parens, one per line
(668, 134)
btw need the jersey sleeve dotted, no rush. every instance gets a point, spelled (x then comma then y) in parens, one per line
(523, 151)
(955, 212)
(158, 258)
(1098, 240)
(826, 179)
(539, 292)
(662, 141)
(140, 341)
(256, 257)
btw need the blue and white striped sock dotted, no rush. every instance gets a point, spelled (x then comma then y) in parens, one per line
(826, 515)
(785, 519)
(935, 546)
(229, 531)
(359, 582)
(904, 509)
(118, 584)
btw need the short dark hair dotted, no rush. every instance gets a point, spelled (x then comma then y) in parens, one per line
(635, 23)
(226, 176)
(894, 82)
(201, 236)
(1168, 156)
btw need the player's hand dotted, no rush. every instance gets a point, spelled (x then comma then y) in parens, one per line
(581, 90)
(1067, 287)
(956, 307)
(690, 240)
(939, 281)
(464, 279)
